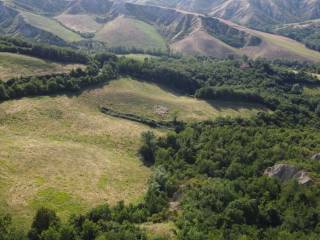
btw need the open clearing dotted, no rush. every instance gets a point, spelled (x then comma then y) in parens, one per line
(129, 32)
(311, 91)
(137, 56)
(150, 100)
(62, 152)
(16, 65)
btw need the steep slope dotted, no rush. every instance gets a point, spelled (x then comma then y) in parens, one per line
(198, 34)
(17, 22)
(255, 13)
(149, 27)
(131, 33)
(49, 7)
(307, 32)
(193, 33)
(99, 7)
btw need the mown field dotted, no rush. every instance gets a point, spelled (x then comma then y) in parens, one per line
(63, 153)
(16, 65)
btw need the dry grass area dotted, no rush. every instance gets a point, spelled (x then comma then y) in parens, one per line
(138, 56)
(130, 32)
(16, 65)
(311, 91)
(150, 100)
(201, 42)
(276, 46)
(51, 25)
(61, 153)
(79, 22)
(165, 230)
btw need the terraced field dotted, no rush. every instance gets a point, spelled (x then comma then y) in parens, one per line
(16, 65)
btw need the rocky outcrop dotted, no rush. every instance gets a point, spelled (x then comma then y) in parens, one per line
(316, 157)
(286, 172)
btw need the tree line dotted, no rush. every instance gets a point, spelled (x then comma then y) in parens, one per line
(58, 54)
(213, 169)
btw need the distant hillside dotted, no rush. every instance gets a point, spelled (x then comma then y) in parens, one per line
(307, 32)
(256, 13)
(15, 22)
(120, 24)
(42, 6)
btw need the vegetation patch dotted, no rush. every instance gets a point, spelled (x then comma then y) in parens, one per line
(129, 32)
(52, 26)
(132, 117)
(61, 202)
(17, 65)
(144, 99)
(58, 148)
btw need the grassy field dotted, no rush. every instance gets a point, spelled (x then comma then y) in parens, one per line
(290, 45)
(151, 101)
(137, 56)
(129, 32)
(311, 91)
(16, 65)
(79, 22)
(62, 152)
(52, 26)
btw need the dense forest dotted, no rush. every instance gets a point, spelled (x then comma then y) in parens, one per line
(208, 177)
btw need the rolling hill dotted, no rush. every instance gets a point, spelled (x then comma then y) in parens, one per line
(63, 153)
(254, 13)
(161, 26)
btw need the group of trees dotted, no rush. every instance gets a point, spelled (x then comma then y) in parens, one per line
(214, 168)
(219, 168)
(229, 35)
(120, 222)
(58, 54)
(229, 94)
(99, 70)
